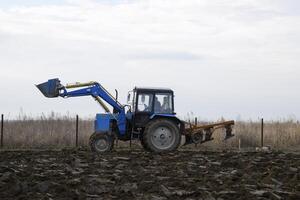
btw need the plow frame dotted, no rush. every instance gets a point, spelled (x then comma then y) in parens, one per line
(199, 134)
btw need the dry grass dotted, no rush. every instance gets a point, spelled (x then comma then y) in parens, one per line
(279, 135)
(47, 131)
(58, 131)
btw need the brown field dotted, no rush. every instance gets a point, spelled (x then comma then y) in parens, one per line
(136, 174)
(55, 131)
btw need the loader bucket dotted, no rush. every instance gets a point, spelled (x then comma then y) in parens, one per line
(50, 88)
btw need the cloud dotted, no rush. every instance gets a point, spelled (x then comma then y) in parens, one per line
(165, 56)
(238, 52)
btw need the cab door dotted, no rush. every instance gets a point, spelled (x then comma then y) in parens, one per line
(143, 109)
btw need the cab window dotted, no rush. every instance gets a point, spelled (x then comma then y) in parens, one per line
(163, 103)
(145, 102)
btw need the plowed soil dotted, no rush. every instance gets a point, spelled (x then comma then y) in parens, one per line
(136, 174)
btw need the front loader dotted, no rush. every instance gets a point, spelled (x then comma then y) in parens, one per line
(149, 117)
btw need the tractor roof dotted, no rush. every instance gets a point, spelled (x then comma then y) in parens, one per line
(153, 89)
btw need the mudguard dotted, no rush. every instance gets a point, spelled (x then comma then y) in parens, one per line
(165, 116)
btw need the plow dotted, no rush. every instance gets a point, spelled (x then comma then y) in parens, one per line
(149, 116)
(203, 133)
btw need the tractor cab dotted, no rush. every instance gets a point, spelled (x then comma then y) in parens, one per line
(149, 102)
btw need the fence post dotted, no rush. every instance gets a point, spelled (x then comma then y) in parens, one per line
(77, 123)
(262, 132)
(196, 123)
(2, 129)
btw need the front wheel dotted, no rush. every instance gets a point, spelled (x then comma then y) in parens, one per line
(101, 142)
(162, 135)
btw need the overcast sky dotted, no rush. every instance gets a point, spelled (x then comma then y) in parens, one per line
(230, 58)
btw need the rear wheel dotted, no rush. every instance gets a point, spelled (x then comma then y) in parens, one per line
(101, 142)
(162, 135)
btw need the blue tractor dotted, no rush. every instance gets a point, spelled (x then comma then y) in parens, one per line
(149, 117)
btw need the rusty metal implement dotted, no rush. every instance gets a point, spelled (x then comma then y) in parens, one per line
(199, 134)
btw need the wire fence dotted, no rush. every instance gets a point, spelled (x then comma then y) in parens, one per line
(47, 132)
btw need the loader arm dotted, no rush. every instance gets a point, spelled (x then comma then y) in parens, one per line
(95, 90)
(53, 88)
